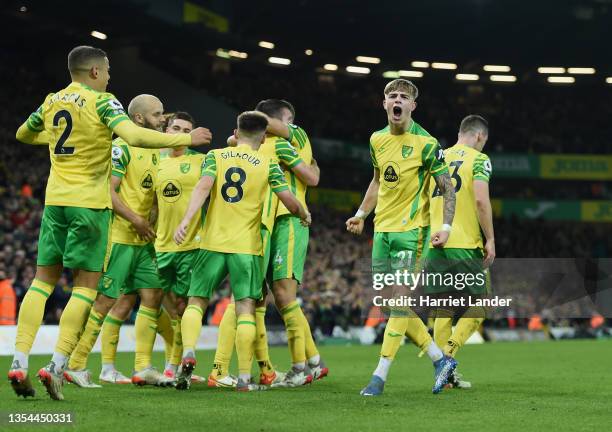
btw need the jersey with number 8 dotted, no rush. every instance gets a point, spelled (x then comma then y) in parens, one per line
(79, 121)
(233, 219)
(465, 165)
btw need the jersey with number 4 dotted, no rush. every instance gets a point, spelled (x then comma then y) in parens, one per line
(79, 122)
(465, 165)
(242, 177)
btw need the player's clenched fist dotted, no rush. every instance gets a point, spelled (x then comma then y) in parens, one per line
(439, 239)
(354, 225)
(181, 232)
(200, 136)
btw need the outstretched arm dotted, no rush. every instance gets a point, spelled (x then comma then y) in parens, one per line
(138, 136)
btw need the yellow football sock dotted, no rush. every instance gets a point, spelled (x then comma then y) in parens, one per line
(443, 327)
(31, 315)
(245, 340)
(73, 319)
(464, 329)
(177, 342)
(261, 342)
(78, 359)
(394, 334)
(225, 342)
(145, 329)
(191, 325)
(164, 328)
(295, 333)
(110, 338)
(417, 331)
(309, 343)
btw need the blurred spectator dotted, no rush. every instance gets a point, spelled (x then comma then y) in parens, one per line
(8, 301)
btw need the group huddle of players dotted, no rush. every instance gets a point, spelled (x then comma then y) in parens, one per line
(131, 222)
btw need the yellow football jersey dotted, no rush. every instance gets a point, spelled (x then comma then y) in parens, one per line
(176, 178)
(466, 165)
(281, 151)
(242, 177)
(79, 121)
(138, 169)
(298, 151)
(405, 162)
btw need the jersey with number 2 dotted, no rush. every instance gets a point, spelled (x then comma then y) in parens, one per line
(79, 122)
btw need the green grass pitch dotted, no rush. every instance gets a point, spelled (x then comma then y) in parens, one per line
(552, 386)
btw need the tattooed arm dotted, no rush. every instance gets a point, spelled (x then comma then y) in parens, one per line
(443, 181)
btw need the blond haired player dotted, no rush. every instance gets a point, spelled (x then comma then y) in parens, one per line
(76, 123)
(404, 157)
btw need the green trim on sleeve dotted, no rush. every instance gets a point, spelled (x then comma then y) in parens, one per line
(276, 179)
(482, 168)
(373, 155)
(286, 153)
(209, 167)
(35, 121)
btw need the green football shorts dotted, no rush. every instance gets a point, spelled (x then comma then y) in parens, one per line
(130, 268)
(210, 268)
(455, 271)
(289, 243)
(77, 237)
(393, 251)
(175, 271)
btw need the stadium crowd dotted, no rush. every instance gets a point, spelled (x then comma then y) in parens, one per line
(334, 280)
(530, 117)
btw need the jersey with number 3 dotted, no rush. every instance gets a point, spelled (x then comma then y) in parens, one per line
(79, 122)
(465, 165)
(233, 220)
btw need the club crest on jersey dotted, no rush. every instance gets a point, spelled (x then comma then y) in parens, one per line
(171, 190)
(391, 175)
(185, 167)
(406, 151)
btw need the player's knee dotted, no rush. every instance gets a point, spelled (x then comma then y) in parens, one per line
(87, 279)
(104, 304)
(245, 306)
(49, 274)
(151, 298)
(123, 307)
